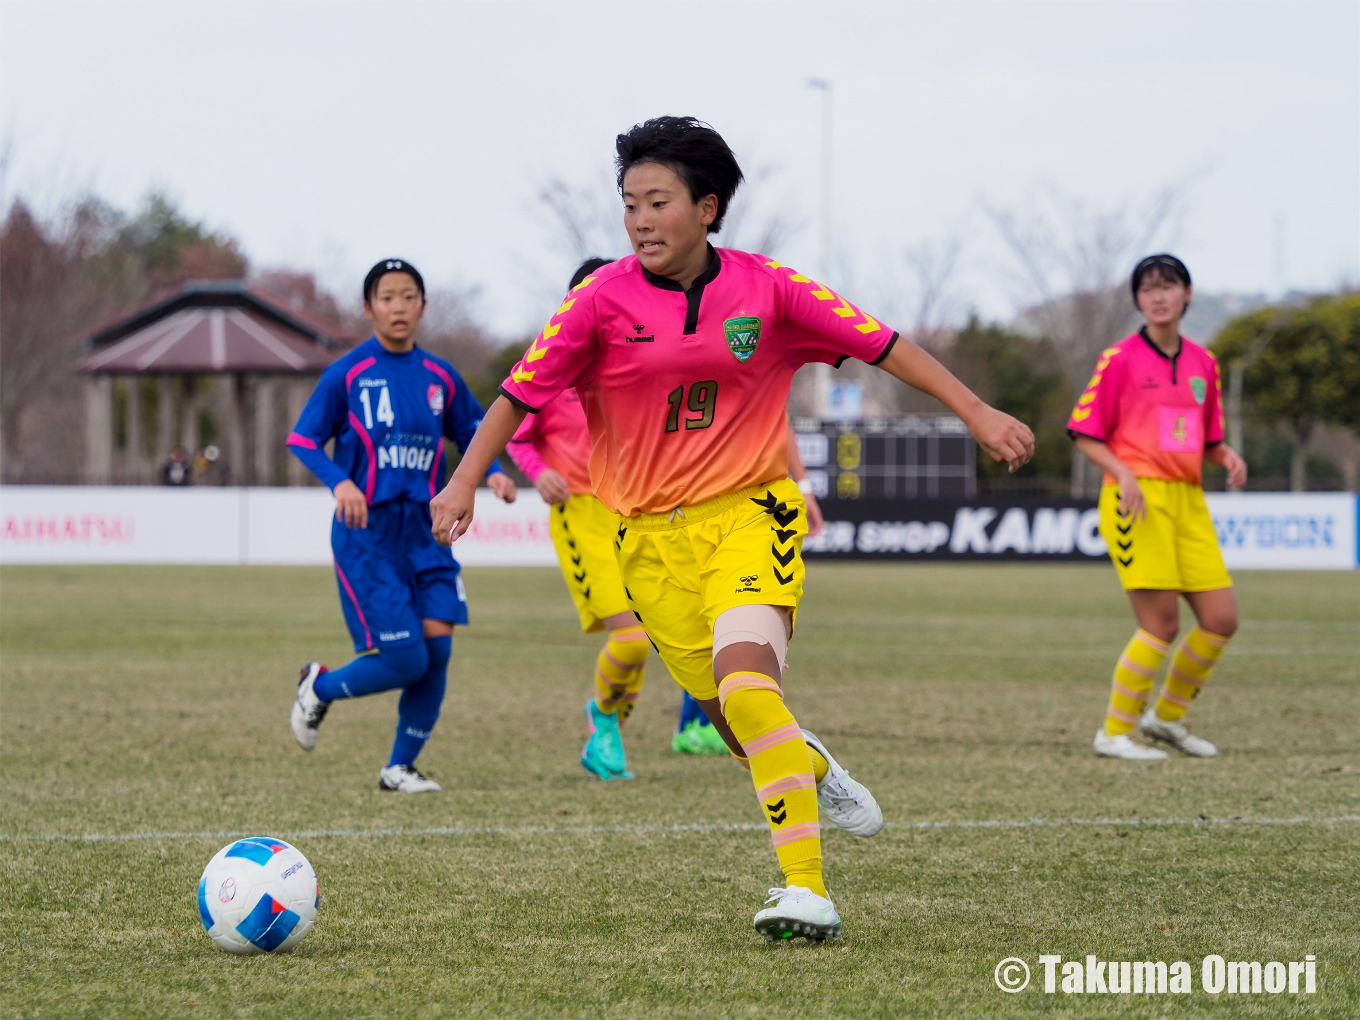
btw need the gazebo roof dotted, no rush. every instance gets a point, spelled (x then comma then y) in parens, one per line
(209, 326)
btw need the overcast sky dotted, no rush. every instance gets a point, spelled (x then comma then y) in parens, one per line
(328, 135)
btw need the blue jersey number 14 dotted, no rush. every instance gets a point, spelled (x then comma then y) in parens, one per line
(385, 414)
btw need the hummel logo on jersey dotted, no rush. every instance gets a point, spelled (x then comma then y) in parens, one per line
(640, 339)
(748, 580)
(637, 328)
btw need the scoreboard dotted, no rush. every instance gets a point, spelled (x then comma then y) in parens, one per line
(919, 456)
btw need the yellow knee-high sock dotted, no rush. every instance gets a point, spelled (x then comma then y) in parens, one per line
(820, 766)
(619, 670)
(781, 769)
(1190, 667)
(1133, 677)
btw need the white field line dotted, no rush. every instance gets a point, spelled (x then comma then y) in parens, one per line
(648, 830)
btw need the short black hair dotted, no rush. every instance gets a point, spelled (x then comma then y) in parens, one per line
(391, 266)
(585, 269)
(691, 148)
(1162, 267)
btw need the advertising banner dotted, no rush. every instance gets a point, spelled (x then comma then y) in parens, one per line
(1270, 531)
(91, 524)
(132, 524)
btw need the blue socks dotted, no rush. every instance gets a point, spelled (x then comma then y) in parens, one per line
(418, 710)
(369, 674)
(689, 711)
(421, 669)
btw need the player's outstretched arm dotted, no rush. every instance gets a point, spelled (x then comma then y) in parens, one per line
(999, 435)
(451, 510)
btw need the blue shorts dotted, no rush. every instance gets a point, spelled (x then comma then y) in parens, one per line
(393, 574)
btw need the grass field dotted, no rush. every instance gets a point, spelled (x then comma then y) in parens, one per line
(147, 707)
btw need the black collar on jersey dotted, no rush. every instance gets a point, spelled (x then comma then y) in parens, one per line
(696, 289)
(1180, 346)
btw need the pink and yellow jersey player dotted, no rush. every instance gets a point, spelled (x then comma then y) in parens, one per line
(552, 448)
(683, 356)
(1151, 414)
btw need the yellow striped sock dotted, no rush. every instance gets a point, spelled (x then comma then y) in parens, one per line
(820, 766)
(1190, 668)
(781, 769)
(619, 670)
(630, 694)
(1133, 677)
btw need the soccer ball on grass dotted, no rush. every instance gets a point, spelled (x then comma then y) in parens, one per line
(258, 895)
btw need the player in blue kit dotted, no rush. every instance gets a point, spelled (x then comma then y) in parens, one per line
(389, 406)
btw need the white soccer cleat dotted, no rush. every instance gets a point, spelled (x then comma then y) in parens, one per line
(308, 709)
(848, 804)
(1122, 747)
(798, 911)
(1175, 734)
(405, 779)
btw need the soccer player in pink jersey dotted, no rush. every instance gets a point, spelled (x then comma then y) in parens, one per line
(1151, 414)
(552, 448)
(683, 356)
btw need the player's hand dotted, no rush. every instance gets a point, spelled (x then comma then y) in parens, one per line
(451, 511)
(351, 509)
(1131, 501)
(503, 486)
(1237, 468)
(814, 514)
(1003, 437)
(552, 487)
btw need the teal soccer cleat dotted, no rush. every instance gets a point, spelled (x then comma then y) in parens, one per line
(603, 754)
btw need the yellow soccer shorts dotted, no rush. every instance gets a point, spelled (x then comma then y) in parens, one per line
(1173, 548)
(682, 570)
(583, 531)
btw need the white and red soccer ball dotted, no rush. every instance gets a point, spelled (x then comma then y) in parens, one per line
(258, 895)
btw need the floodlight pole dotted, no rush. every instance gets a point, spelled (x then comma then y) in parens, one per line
(821, 372)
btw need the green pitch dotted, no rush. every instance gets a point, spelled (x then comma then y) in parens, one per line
(148, 707)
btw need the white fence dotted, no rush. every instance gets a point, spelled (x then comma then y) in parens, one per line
(90, 524)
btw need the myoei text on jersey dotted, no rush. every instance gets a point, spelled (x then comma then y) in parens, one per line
(398, 456)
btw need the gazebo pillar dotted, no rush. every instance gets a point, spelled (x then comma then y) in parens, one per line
(188, 426)
(233, 407)
(98, 429)
(265, 387)
(165, 420)
(132, 456)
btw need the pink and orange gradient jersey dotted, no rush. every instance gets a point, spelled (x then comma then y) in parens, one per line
(1156, 413)
(558, 438)
(684, 392)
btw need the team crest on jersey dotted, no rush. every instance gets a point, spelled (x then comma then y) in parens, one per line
(1199, 388)
(743, 333)
(435, 395)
